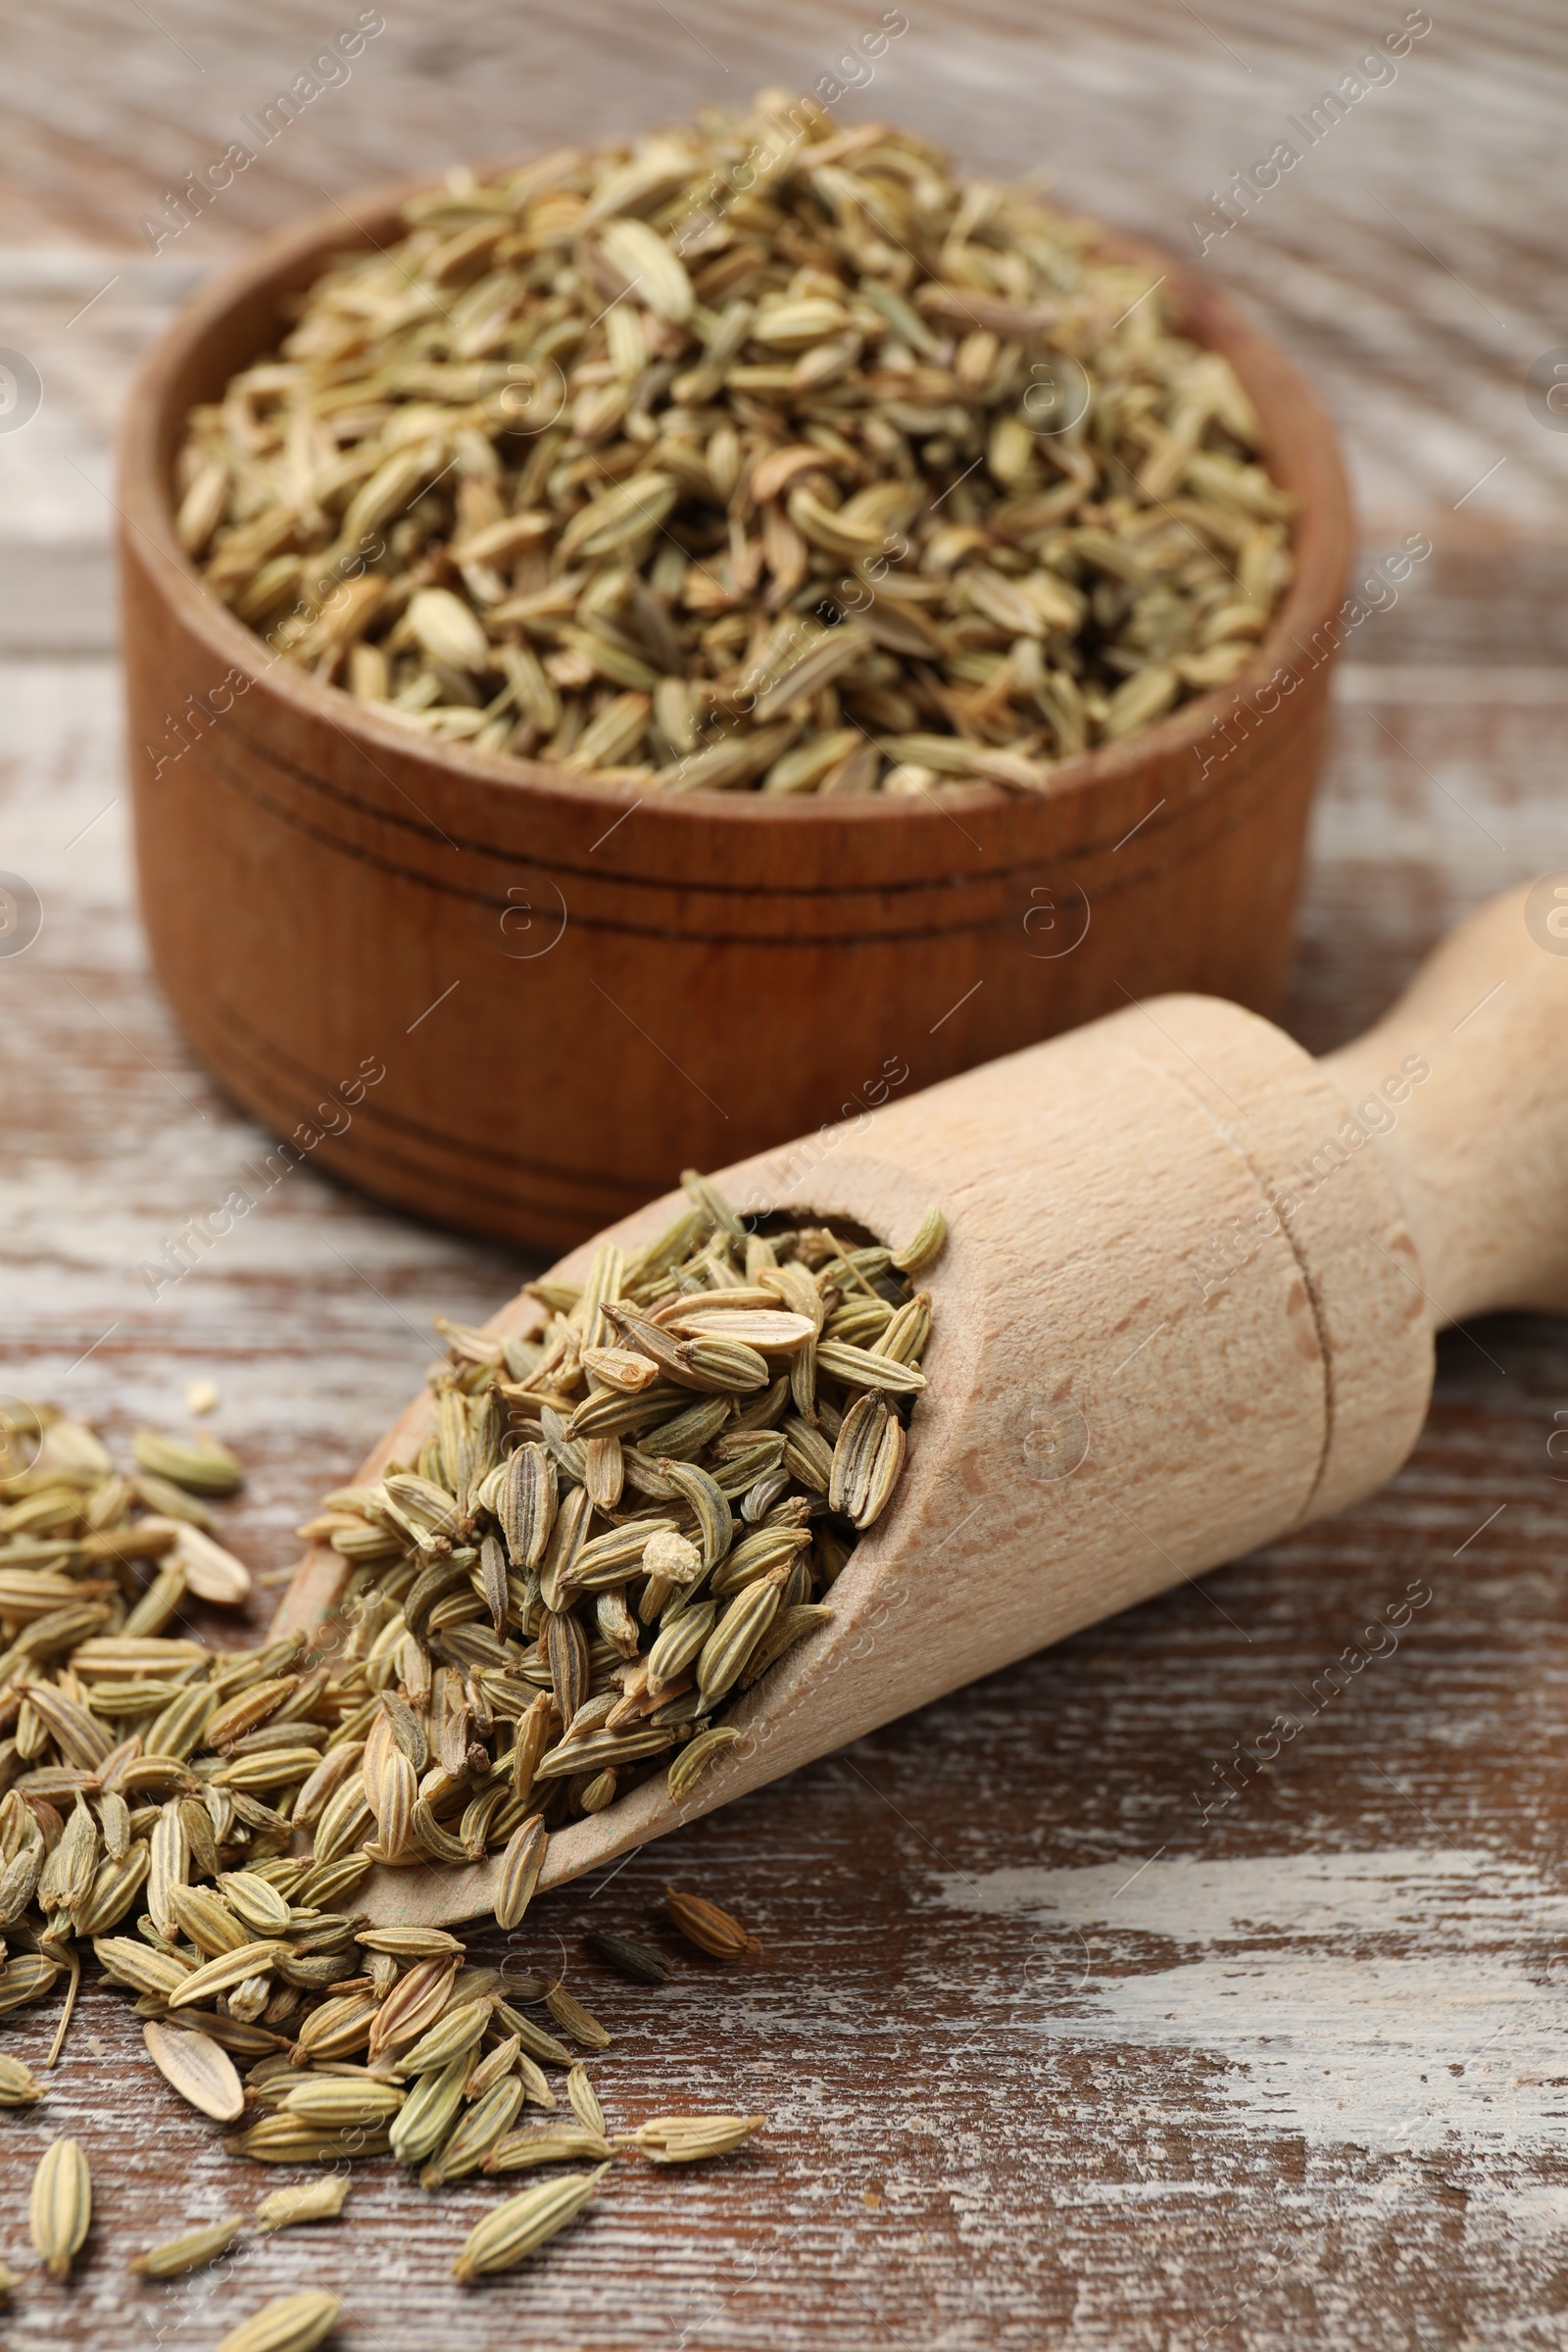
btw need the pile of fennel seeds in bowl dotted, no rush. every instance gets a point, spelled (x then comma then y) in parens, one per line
(759, 453)
(615, 1528)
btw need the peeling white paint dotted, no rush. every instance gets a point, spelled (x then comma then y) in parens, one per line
(1401, 2001)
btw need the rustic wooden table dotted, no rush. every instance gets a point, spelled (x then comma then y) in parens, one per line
(1081, 2020)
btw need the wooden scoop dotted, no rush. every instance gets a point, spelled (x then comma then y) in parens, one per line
(1187, 1303)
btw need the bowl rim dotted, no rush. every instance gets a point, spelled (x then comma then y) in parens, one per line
(1296, 426)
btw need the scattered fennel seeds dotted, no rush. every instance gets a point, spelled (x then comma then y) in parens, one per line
(341, 2103)
(198, 2068)
(503, 2058)
(712, 1929)
(76, 1532)
(312, 2201)
(293, 2324)
(429, 2113)
(688, 2138)
(179, 2255)
(457, 2036)
(546, 1599)
(764, 454)
(488, 2120)
(17, 2086)
(628, 1956)
(562, 2143)
(61, 2206)
(448, 2111)
(584, 2101)
(695, 1758)
(508, 2233)
(520, 1864)
(573, 2019)
(30, 1975)
(924, 1245)
(200, 1465)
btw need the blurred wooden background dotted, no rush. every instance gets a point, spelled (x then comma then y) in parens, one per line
(1060, 2044)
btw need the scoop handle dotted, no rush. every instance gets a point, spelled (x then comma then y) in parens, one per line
(1462, 1088)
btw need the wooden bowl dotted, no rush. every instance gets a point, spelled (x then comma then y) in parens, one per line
(521, 1006)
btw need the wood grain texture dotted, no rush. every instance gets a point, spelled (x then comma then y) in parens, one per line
(1074, 2029)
